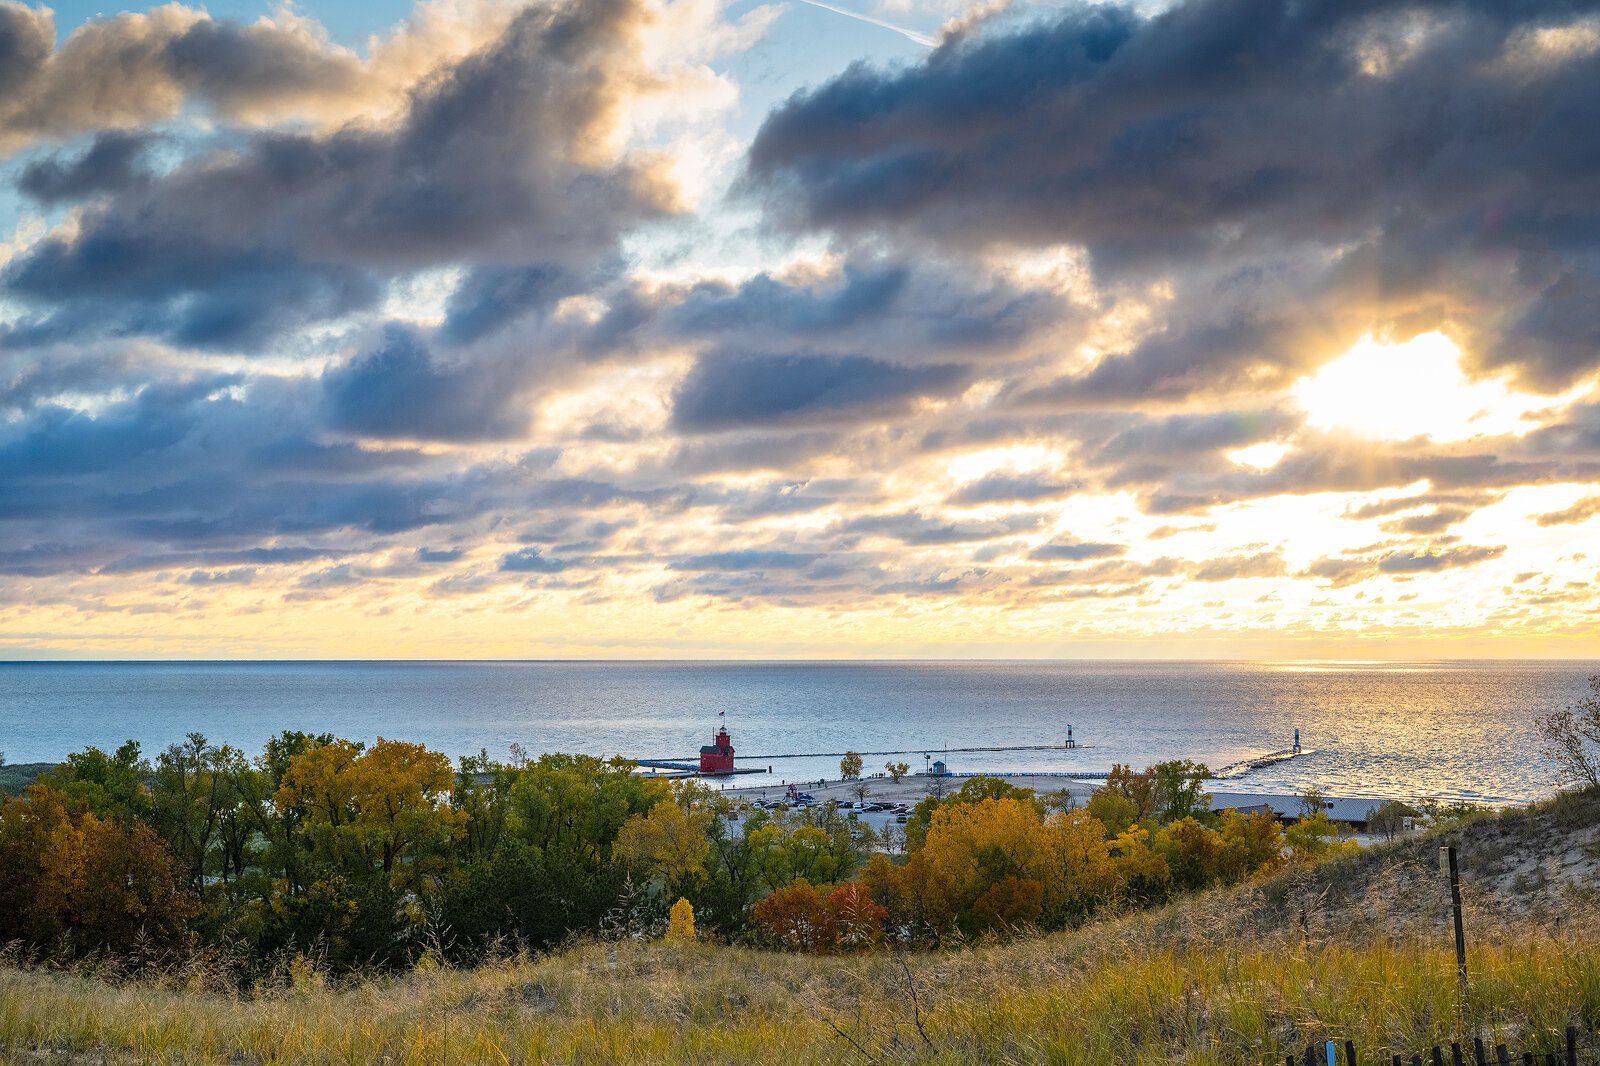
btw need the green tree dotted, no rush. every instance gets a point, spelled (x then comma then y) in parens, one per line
(1179, 790)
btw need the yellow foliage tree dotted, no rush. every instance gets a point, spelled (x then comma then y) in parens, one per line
(680, 921)
(670, 840)
(375, 806)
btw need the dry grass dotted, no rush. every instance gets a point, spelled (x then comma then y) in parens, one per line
(1357, 948)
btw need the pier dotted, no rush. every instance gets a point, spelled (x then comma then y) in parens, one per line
(685, 760)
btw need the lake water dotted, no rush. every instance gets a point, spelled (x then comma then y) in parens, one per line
(1450, 729)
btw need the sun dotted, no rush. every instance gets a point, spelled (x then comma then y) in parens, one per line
(1416, 388)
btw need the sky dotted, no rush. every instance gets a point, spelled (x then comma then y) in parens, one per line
(868, 328)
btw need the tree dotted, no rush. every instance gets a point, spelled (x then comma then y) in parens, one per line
(896, 770)
(1313, 801)
(799, 918)
(680, 921)
(1571, 737)
(1179, 787)
(1137, 787)
(1390, 818)
(850, 766)
(860, 790)
(1115, 811)
(1312, 835)
(670, 840)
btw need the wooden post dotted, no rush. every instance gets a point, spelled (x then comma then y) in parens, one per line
(1478, 1054)
(1449, 867)
(1438, 1055)
(1572, 1045)
(1455, 1054)
(1527, 1058)
(1502, 1055)
(1349, 1053)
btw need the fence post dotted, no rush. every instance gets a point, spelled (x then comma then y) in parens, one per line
(1478, 1053)
(1501, 1055)
(1455, 1054)
(1438, 1055)
(1349, 1053)
(1572, 1045)
(1449, 867)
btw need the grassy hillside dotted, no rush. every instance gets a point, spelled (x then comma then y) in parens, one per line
(1357, 947)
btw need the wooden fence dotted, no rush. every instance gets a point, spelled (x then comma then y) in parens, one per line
(1557, 1049)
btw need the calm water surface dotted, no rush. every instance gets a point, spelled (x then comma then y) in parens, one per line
(1454, 729)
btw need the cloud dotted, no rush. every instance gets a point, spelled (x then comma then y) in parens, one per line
(531, 561)
(495, 159)
(1581, 511)
(402, 390)
(113, 162)
(922, 530)
(1011, 488)
(1076, 551)
(1261, 564)
(1223, 147)
(1422, 561)
(727, 391)
(746, 560)
(137, 68)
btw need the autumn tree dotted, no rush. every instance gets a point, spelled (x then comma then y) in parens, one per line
(680, 921)
(896, 770)
(799, 918)
(84, 882)
(670, 840)
(1138, 788)
(850, 766)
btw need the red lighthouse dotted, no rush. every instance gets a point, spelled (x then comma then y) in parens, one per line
(717, 757)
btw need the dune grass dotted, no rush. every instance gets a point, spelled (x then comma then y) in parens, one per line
(1357, 948)
(1036, 1001)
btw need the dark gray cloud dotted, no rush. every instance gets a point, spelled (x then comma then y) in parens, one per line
(113, 163)
(403, 390)
(1391, 151)
(487, 162)
(909, 311)
(727, 391)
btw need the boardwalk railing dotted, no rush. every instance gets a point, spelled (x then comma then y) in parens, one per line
(1554, 1049)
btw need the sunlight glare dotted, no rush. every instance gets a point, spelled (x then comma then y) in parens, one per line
(1263, 456)
(1413, 389)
